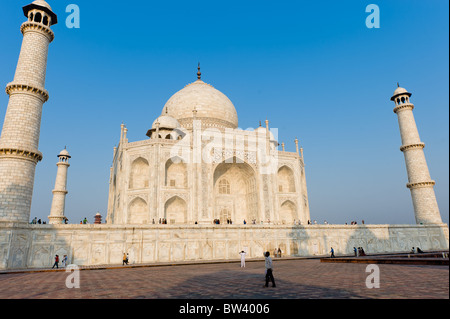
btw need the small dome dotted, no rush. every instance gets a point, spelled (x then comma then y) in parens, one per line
(399, 91)
(166, 121)
(64, 152)
(42, 3)
(206, 100)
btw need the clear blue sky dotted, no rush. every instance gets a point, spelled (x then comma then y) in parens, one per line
(312, 68)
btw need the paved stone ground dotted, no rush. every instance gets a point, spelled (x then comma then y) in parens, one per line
(295, 279)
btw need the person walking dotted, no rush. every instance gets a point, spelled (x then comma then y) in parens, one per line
(64, 261)
(332, 252)
(269, 270)
(242, 253)
(279, 252)
(125, 259)
(355, 251)
(56, 262)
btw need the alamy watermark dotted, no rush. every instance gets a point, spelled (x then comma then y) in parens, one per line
(73, 280)
(373, 279)
(373, 19)
(73, 19)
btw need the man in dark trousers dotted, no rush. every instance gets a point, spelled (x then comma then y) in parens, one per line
(269, 267)
(56, 262)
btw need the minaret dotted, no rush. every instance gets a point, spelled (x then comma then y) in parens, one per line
(420, 184)
(60, 192)
(19, 139)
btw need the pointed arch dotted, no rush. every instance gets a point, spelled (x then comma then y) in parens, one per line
(175, 210)
(176, 172)
(140, 173)
(286, 182)
(138, 212)
(288, 212)
(38, 17)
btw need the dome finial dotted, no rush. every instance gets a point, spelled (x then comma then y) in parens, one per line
(398, 85)
(199, 74)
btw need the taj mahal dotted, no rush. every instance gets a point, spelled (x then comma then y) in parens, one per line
(197, 167)
(196, 187)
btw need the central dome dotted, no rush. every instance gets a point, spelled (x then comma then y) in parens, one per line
(212, 107)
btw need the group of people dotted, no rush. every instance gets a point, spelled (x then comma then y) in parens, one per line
(64, 262)
(354, 222)
(37, 221)
(125, 259)
(416, 250)
(229, 221)
(359, 251)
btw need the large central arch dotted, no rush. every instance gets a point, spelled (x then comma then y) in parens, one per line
(235, 191)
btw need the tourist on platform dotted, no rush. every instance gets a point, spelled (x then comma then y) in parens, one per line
(332, 252)
(125, 259)
(279, 252)
(361, 251)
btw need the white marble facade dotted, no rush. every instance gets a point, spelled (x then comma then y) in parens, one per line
(197, 166)
(34, 246)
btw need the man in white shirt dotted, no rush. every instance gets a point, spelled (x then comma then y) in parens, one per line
(269, 267)
(242, 253)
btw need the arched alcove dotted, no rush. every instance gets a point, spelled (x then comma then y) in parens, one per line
(286, 182)
(176, 173)
(138, 212)
(139, 174)
(288, 212)
(175, 210)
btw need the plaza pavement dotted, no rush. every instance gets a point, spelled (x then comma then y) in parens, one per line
(296, 278)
